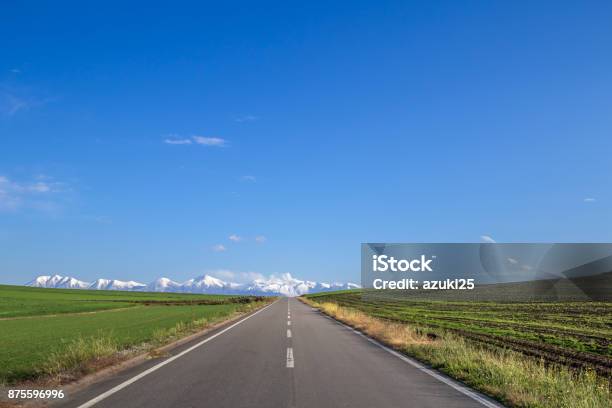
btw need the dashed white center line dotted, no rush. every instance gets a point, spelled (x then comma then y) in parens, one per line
(290, 362)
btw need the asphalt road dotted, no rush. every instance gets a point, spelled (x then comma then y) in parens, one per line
(286, 355)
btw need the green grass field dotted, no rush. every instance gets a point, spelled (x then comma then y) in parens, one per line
(17, 301)
(41, 327)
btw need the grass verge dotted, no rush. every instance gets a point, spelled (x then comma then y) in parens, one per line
(57, 350)
(510, 377)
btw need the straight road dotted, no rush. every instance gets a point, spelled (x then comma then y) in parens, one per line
(286, 355)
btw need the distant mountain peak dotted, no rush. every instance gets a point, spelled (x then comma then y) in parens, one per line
(285, 285)
(59, 282)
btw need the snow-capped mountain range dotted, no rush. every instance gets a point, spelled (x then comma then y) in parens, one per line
(285, 285)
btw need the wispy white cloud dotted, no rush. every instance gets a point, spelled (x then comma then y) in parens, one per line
(260, 239)
(246, 118)
(11, 104)
(200, 140)
(35, 194)
(252, 179)
(15, 70)
(14, 100)
(512, 261)
(178, 141)
(210, 141)
(219, 248)
(487, 238)
(8, 199)
(589, 200)
(235, 238)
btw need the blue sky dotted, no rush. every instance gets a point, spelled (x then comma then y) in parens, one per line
(135, 140)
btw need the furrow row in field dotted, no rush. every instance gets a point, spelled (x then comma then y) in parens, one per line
(597, 339)
(524, 328)
(512, 311)
(551, 354)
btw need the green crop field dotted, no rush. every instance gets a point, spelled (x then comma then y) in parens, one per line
(575, 334)
(40, 327)
(17, 301)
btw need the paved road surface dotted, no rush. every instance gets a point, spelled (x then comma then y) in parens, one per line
(286, 355)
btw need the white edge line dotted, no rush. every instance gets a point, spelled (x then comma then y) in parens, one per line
(132, 380)
(451, 383)
(289, 333)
